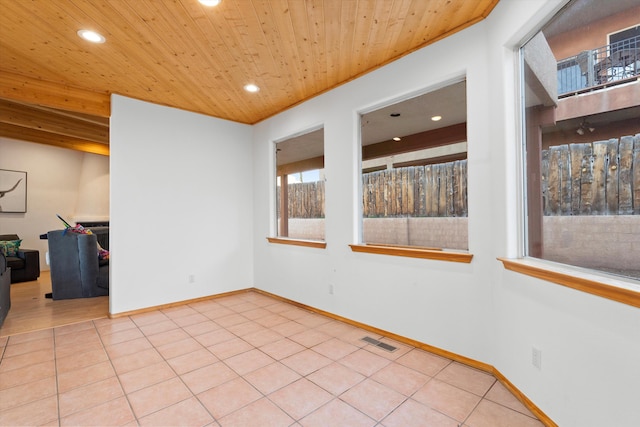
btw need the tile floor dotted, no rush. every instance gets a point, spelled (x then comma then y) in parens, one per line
(242, 360)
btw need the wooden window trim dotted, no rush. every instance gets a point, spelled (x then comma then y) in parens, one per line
(414, 252)
(616, 289)
(297, 242)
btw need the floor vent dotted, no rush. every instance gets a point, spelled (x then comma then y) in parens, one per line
(377, 343)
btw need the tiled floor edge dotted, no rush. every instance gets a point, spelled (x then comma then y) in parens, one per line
(178, 303)
(435, 350)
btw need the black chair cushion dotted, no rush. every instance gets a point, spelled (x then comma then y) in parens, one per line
(15, 263)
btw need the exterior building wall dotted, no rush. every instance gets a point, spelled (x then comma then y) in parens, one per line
(573, 42)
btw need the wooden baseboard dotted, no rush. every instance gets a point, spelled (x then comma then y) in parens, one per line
(544, 419)
(178, 304)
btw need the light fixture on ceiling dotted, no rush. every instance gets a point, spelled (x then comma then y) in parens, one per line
(251, 88)
(436, 118)
(91, 36)
(585, 126)
(209, 3)
(396, 138)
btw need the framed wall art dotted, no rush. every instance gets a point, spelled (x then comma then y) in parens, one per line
(13, 191)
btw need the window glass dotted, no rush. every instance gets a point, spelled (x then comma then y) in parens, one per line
(414, 171)
(582, 138)
(300, 186)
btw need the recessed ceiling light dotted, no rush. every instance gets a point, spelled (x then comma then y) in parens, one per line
(396, 138)
(436, 118)
(251, 88)
(91, 36)
(210, 3)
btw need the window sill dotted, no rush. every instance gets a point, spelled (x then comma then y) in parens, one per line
(297, 242)
(602, 285)
(414, 252)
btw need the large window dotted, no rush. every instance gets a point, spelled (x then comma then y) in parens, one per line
(300, 186)
(414, 171)
(583, 149)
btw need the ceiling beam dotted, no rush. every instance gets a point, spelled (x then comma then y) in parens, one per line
(52, 121)
(301, 166)
(433, 160)
(418, 141)
(32, 135)
(23, 89)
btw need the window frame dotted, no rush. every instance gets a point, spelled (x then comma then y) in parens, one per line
(622, 289)
(450, 255)
(274, 237)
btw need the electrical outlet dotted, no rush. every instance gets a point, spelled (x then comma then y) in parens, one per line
(536, 357)
(192, 278)
(330, 289)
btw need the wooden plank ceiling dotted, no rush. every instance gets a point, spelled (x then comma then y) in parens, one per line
(55, 87)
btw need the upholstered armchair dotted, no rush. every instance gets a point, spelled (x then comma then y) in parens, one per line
(75, 269)
(25, 265)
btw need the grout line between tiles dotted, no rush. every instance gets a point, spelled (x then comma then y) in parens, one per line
(310, 325)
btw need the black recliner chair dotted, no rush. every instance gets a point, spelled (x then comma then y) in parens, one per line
(75, 268)
(25, 267)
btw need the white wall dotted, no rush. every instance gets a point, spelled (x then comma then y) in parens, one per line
(93, 190)
(590, 346)
(181, 203)
(56, 180)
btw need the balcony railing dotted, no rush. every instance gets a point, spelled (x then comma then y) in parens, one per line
(597, 68)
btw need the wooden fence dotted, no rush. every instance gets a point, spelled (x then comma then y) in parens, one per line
(599, 178)
(438, 190)
(306, 200)
(416, 191)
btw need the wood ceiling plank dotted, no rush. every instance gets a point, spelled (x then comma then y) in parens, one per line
(427, 27)
(348, 16)
(332, 42)
(148, 70)
(190, 61)
(181, 54)
(360, 38)
(247, 58)
(301, 40)
(411, 24)
(380, 34)
(36, 43)
(50, 122)
(216, 30)
(31, 135)
(277, 27)
(316, 28)
(28, 90)
(266, 57)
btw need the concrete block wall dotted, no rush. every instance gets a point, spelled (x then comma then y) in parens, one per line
(608, 243)
(599, 242)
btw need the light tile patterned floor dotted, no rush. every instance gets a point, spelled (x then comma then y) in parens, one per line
(242, 360)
